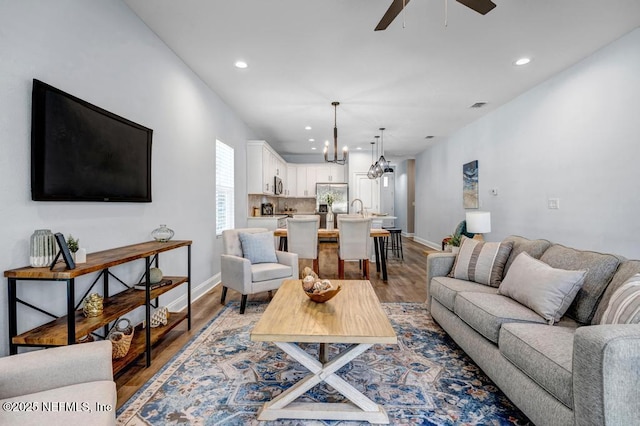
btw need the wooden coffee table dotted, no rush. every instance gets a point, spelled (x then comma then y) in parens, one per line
(353, 316)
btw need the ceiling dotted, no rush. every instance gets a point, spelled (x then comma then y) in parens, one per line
(416, 80)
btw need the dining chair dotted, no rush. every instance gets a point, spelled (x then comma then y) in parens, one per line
(302, 238)
(354, 243)
(250, 263)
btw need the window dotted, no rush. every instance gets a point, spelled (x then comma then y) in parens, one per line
(224, 187)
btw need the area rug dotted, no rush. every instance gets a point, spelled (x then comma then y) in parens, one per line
(223, 378)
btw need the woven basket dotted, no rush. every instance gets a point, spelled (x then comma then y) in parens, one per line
(121, 338)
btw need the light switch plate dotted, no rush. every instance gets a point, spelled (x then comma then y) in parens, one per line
(553, 203)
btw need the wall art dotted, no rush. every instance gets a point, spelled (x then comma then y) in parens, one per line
(470, 185)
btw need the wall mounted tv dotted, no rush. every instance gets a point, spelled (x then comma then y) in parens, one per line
(80, 152)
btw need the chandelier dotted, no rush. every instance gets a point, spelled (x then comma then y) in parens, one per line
(382, 165)
(371, 174)
(345, 152)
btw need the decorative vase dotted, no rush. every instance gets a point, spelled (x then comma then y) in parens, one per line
(93, 305)
(43, 248)
(162, 234)
(329, 218)
(80, 256)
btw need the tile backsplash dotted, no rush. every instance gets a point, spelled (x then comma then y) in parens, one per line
(299, 205)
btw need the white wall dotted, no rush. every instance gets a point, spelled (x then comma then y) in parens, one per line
(102, 53)
(574, 137)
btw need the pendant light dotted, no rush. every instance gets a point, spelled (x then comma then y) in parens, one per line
(382, 163)
(371, 174)
(345, 152)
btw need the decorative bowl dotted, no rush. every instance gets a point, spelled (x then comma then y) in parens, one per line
(323, 296)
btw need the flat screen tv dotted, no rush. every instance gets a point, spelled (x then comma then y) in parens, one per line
(80, 152)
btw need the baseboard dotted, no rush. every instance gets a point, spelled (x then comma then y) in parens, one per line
(430, 244)
(197, 292)
(407, 234)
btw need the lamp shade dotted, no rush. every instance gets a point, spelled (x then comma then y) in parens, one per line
(478, 222)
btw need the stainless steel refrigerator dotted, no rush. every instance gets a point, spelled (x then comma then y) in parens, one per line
(339, 192)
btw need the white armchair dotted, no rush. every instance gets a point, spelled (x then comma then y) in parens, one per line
(239, 274)
(79, 374)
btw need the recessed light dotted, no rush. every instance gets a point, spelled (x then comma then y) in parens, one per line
(522, 61)
(241, 64)
(359, 148)
(313, 148)
(312, 140)
(307, 128)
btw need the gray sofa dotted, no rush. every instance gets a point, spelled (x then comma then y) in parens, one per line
(67, 385)
(575, 372)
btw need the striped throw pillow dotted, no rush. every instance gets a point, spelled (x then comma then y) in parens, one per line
(624, 305)
(481, 262)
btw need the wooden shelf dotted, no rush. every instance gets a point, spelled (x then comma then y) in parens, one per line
(54, 333)
(138, 343)
(97, 261)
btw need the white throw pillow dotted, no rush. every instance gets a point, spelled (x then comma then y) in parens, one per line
(545, 290)
(624, 305)
(258, 247)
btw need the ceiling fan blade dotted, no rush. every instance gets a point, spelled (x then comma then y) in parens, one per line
(481, 6)
(391, 13)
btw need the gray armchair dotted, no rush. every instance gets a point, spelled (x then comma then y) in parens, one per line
(246, 278)
(79, 374)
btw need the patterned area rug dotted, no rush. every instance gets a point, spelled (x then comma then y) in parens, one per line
(223, 378)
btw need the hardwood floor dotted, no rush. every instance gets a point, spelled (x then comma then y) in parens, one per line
(406, 283)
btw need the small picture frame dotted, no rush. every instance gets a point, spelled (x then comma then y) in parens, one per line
(64, 250)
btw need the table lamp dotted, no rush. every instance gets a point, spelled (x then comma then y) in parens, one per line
(478, 223)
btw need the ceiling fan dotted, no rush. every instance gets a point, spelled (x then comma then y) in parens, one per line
(481, 6)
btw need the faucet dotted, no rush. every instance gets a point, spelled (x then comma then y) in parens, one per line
(361, 205)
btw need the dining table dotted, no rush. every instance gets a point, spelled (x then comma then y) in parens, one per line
(378, 235)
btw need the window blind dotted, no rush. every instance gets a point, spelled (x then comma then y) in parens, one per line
(224, 187)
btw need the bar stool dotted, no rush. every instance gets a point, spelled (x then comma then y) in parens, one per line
(394, 242)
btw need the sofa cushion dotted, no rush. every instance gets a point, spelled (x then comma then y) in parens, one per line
(270, 271)
(626, 269)
(624, 305)
(535, 248)
(600, 269)
(258, 247)
(546, 290)
(444, 289)
(544, 354)
(485, 313)
(481, 262)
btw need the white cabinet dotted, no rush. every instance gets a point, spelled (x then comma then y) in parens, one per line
(263, 164)
(328, 173)
(301, 184)
(311, 181)
(291, 181)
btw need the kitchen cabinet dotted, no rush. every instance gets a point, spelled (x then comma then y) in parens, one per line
(333, 173)
(291, 181)
(306, 181)
(263, 165)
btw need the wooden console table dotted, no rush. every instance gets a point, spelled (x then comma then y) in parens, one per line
(66, 330)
